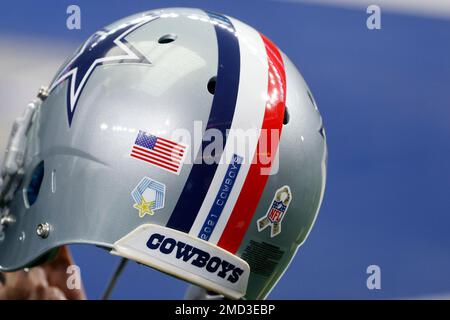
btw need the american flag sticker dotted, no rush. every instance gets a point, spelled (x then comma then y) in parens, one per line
(160, 152)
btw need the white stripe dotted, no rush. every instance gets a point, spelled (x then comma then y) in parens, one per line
(248, 115)
(150, 157)
(171, 155)
(163, 155)
(168, 145)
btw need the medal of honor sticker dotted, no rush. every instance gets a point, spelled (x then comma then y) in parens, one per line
(276, 212)
(148, 196)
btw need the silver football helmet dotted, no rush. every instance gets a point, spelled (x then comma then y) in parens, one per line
(178, 138)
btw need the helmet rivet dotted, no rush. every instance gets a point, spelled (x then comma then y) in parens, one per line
(43, 229)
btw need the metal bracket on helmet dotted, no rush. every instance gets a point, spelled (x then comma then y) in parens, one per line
(12, 169)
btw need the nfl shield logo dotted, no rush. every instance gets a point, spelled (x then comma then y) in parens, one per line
(276, 212)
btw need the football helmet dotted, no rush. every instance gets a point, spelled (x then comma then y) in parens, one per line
(179, 138)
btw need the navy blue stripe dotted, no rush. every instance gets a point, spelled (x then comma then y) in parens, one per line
(220, 117)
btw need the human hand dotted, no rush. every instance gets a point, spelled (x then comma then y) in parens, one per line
(44, 282)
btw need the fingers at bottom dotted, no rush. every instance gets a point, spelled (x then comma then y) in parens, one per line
(47, 293)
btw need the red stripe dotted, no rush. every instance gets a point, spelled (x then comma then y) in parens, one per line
(255, 181)
(174, 151)
(153, 162)
(170, 154)
(152, 157)
(171, 143)
(157, 154)
(168, 145)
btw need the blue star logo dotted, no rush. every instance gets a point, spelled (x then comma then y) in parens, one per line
(103, 47)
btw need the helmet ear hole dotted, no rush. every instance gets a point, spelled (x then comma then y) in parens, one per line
(212, 85)
(31, 192)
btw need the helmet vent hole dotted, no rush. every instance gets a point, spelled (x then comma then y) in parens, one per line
(31, 192)
(286, 116)
(212, 85)
(168, 38)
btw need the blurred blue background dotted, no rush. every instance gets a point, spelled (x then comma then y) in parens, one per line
(385, 99)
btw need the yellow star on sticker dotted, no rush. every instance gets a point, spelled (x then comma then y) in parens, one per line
(145, 207)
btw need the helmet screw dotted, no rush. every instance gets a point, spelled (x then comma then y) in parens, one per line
(43, 229)
(42, 93)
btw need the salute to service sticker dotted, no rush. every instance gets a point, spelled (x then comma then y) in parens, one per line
(148, 196)
(276, 211)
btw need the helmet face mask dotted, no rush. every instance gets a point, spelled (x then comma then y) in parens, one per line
(123, 140)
